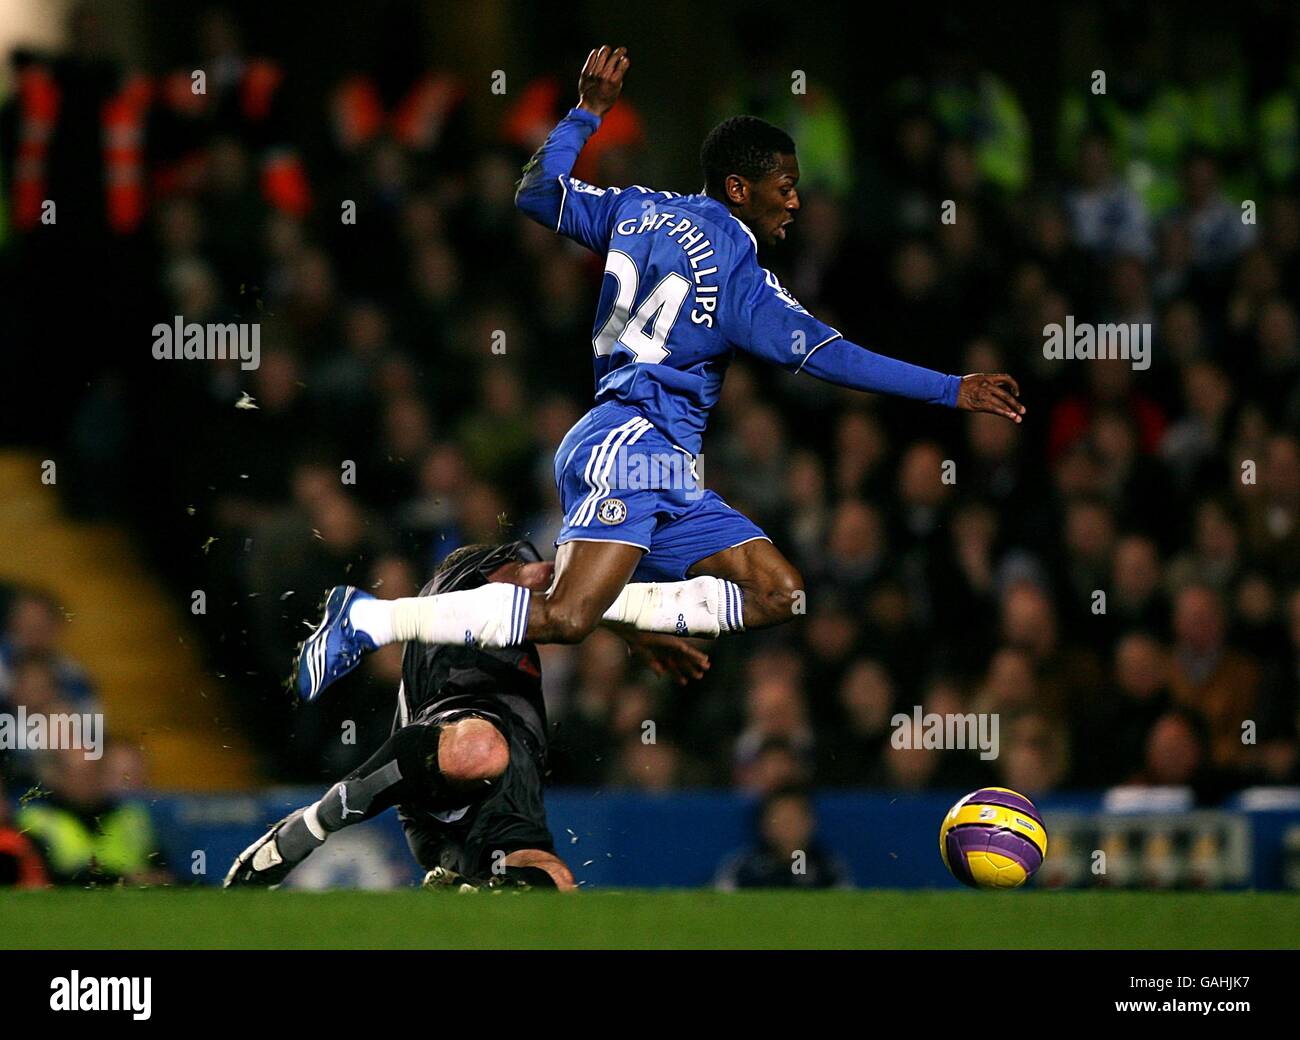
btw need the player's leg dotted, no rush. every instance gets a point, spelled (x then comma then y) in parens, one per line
(601, 546)
(593, 563)
(588, 576)
(711, 542)
(453, 762)
(772, 586)
(590, 586)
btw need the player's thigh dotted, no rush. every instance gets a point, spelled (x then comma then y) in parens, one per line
(614, 501)
(589, 575)
(547, 861)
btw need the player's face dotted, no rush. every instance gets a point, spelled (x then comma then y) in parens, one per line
(534, 576)
(773, 201)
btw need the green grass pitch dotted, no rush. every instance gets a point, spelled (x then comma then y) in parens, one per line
(412, 919)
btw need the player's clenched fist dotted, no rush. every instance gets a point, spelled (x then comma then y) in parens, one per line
(602, 79)
(995, 393)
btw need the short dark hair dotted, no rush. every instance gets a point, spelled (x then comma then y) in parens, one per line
(460, 569)
(745, 145)
(459, 555)
(470, 566)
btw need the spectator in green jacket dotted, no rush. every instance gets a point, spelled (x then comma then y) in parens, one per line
(86, 835)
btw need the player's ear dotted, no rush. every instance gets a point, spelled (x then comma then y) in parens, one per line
(737, 189)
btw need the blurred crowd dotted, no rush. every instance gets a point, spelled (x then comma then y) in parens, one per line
(74, 815)
(424, 348)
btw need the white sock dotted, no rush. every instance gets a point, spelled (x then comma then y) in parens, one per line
(374, 617)
(704, 606)
(493, 615)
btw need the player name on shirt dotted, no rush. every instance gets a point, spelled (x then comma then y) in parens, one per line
(698, 249)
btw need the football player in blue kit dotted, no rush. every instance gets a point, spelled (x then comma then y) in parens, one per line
(683, 291)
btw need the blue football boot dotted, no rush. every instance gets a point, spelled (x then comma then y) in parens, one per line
(335, 648)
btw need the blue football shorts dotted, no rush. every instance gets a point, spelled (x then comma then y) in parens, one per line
(621, 480)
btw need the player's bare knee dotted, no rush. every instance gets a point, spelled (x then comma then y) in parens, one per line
(472, 751)
(780, 594)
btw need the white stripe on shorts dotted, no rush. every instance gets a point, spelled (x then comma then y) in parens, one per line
(599, 465)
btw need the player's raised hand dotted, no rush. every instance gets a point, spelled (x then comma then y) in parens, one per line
(601, 80)
(990, 392)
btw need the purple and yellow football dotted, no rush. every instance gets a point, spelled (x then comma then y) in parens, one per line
(993, 838)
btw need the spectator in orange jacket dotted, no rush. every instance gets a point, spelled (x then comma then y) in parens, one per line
(1210, 677)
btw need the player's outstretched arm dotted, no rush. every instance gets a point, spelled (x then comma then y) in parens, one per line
(764, 319)
(849, 365)
(541, 191)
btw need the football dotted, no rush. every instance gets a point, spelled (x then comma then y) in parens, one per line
(993, 838)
